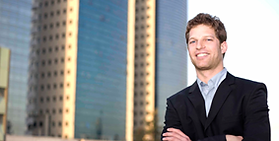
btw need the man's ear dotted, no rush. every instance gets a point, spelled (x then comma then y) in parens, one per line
(224, 47)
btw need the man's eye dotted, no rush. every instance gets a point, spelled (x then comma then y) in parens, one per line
(209, 39)
(191, 42)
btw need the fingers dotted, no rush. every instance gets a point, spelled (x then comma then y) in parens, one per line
(175, 135)
(234, 138)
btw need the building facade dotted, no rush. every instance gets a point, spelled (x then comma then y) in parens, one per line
(103, 69)
(78, 69)
(160, 62)
(171, 54)
(4, 86)
(15, 21)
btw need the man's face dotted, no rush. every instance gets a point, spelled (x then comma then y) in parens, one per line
(205, 50)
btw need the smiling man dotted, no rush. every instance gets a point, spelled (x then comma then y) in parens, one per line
(218, 106)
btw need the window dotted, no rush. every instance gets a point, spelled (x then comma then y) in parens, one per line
(61, 85)
(62, 60)
(56, 48)
(61, 98)
(57, 36)
(48, 86)
(46, 3)
(49, 74)
(57, 24)
(45, 27)
(45, 15)
(42, 75)
(44, 51)
(54, 98)
(58, 12)
(62, 72)
(64, 11)
(53, 111)
(53, 123)
(50, 49)
(55, 60)
(63, 35)
(54, 86)
(51, 25)
(64, 23)
(44, 39)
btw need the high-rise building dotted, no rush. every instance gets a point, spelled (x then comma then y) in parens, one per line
(171, 55)
(15, 26)
(160, 62)
(103, 69)
(78, 69)
(4, 85)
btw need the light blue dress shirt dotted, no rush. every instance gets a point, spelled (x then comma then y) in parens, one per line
(208, 90)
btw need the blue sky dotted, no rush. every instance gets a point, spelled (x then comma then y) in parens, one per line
(253, 41)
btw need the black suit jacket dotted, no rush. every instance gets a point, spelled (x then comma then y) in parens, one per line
(239, 108)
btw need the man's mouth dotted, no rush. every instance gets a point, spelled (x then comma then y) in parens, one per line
(202, 54)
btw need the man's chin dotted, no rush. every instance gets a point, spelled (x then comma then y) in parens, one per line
(202, 68)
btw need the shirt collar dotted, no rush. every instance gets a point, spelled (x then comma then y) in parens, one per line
(215, 80)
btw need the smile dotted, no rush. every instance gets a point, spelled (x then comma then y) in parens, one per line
(202, 54)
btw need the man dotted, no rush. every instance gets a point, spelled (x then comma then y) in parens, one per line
(218, 106)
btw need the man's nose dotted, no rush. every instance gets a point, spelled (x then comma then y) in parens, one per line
(200, 45)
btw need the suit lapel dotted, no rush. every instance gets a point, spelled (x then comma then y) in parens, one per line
(198, 102)
(220, 97)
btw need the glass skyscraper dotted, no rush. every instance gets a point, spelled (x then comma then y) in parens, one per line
(101, 70)
(171, 55)
(15, 28)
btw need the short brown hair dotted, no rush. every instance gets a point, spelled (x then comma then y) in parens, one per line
(208, 20)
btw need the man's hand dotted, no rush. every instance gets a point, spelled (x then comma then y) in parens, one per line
(175, 135)
(234, 138)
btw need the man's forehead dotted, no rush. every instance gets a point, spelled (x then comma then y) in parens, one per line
(203, 35)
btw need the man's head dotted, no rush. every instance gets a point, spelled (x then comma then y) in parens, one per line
(206, 40)
(213, 22)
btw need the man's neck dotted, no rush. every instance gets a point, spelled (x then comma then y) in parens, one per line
(206, 75)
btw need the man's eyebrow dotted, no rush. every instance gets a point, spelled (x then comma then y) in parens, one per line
(193, 37)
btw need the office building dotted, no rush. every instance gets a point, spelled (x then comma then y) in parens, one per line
(160, 62)
(4, 85)
(103, 69)
(15, 26)
(78, 69)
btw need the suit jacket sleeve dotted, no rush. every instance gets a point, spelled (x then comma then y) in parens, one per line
(171, 118)
(256, 120)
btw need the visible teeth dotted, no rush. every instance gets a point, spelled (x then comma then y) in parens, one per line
(200, 55)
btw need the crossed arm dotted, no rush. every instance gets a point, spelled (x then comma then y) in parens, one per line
(177, 135)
